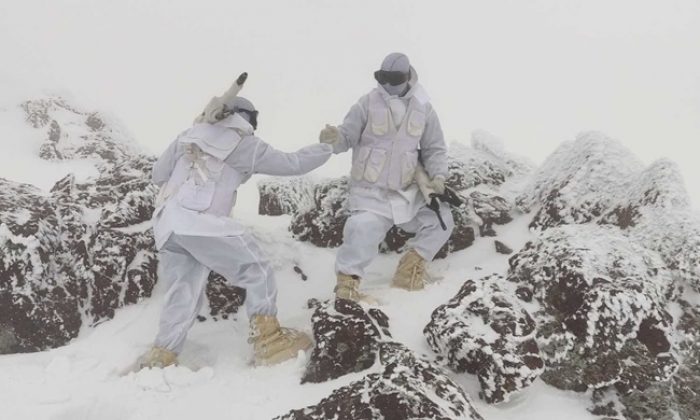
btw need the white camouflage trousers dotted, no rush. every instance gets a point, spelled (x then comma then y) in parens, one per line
(185, 263)
(364, 231)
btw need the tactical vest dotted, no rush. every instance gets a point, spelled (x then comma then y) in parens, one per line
(387, 156)
(201, 180)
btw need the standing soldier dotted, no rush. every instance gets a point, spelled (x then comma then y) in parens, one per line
(393, 132)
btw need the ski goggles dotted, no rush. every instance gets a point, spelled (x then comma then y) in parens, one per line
(393, 78)
(252, 115)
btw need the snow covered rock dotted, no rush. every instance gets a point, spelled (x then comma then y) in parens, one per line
(85, 249)
(224, 300)
(502, 248)
(75, 133)
(618, 244)
(322, 223)
(485, 331)
(280, 196)
(595, 179)
(75, 255)
(676, 398)
(37, 309)
(603, 298)
(407, 387)
(347, 339)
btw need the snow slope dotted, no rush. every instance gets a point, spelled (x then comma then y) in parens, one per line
(82, 381)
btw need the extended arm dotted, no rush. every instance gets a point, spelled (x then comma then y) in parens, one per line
(254, 156)
(348, 134)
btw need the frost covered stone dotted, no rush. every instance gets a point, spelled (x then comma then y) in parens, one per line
(618, 244)
(502, 248)
(603, 319)
(674, 399)
(75, 133)
(407, 387)
(63, 261)
(596, 179)
(347, 339)
(224, 300)
(77, 254)
(280, 196)
(322, 223)
(483, 330)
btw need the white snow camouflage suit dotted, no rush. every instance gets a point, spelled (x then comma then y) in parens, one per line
(201, 171)
(385, 133)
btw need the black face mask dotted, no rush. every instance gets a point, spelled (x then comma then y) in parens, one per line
(393, 78)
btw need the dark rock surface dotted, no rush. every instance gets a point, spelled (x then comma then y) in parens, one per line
(596, 180)
(74, 133)
(86, 248)
(603, 319)
(618, 247)
(407, 387)
(666, 400)
(485, 331)
(280, 196)
(402, 386)
(502, 248)
(347, 339)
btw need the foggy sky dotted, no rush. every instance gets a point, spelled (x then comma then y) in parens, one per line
(534, 73)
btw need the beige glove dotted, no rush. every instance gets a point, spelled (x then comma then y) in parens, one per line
(329, 135)
(438, 184)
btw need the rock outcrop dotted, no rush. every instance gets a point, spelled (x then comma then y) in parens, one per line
(486, 331)
(84, 249)
(399, 384)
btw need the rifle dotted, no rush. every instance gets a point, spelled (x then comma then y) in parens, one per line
(432, 198)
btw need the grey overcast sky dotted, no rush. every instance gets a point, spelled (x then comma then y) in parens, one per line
(534, 73)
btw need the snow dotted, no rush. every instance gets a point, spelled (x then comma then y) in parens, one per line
(82, 380)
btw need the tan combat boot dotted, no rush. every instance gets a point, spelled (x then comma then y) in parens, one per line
(347, 287)
(273, 344)
(410, 274)
(157, 357)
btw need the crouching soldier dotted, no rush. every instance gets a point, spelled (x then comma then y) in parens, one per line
(199, 174)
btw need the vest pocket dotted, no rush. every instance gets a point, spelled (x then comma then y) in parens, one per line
(379, 119)
(359, 164)
(375, 164)
(196, 197)
(409, 161)
(416, 123)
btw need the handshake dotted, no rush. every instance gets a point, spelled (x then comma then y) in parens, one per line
(329, 135)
